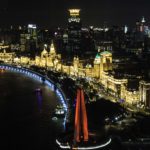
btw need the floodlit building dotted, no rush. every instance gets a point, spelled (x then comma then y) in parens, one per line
(7, 57)
(114, 86)
(24, 60)
(132, 97)
(28, 38)
(102, 62)
(49, 59)
(101, 68)
(144, 90)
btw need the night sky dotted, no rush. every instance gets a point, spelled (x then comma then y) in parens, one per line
(50, 13)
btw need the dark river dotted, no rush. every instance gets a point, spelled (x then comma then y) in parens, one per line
(26, 116)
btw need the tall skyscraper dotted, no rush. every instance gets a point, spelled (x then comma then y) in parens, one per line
(32, 30)
(28, 38)
(74, 33)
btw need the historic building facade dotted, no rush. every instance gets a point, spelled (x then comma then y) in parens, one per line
(99, 69)
(144, 90)
(49, 59)
(7, 57)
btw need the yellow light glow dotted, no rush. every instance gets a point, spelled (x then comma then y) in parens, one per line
(74, 12)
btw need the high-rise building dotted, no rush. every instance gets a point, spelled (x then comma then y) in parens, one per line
(74, 33)
(28, 38)
(32, 30)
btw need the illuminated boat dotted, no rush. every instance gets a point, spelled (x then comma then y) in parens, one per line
(38, 90)
(54, 118)
(60, 111)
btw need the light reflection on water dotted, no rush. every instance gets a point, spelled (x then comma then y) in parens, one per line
(39, 100)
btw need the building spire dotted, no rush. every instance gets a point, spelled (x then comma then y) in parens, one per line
(52, 49)
(143, 20)
(44, 53)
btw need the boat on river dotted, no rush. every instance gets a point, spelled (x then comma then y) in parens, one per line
(60, 111)
(38, 90)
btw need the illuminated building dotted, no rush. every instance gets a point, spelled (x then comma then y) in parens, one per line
(32, 30)
(144, 90)
(24, 60)
(3, 46)
(97, 65)
(49, 59)
(104, 45)
(41, 61)
(106, 60)
(101, 69)
(52, 50)
(7, 57)
(24, 38)
(28, 38)
(74, 33)
(102, 62)
(65, 38)
(132, 97)
(17, 60)
(114, 86)
(81, 125)
(75, 66)
(101, 65)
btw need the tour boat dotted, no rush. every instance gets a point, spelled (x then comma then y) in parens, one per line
(60, 111)
(38, 90)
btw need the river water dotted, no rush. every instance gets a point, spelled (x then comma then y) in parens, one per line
(26, 116)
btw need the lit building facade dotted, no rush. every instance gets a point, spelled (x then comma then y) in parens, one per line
(49, 59)
(144, 90)
(28, 38)
(116, 87)
(24, 60)
(7, 57)
(132, 97)
(102, 62)
(32, 30)
(24, 41)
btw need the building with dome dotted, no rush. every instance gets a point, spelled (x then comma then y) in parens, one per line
(102, 62)
(99, 68)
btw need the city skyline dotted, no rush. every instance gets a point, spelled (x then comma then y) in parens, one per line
(55, 12)
(67, 85)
